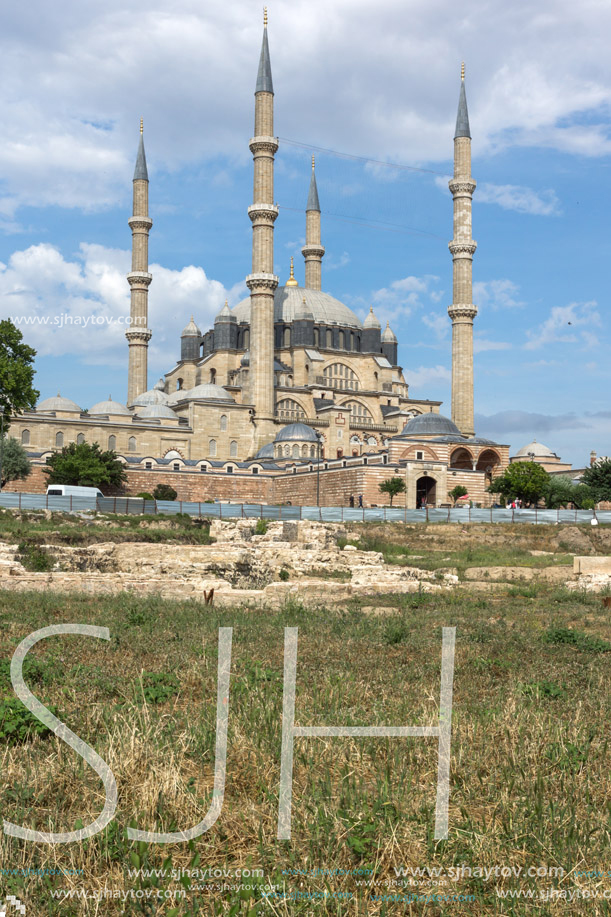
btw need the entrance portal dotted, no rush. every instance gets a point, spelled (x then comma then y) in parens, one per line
(426, 491)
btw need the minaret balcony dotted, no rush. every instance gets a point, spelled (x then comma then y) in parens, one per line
(139, 279)
(263, 213)
(140, 224)
(462, 187)
(265, 145)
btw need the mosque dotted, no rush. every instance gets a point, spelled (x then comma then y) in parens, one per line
(288, 387)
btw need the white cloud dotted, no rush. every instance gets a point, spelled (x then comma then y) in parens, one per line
(565, 325)
(439, 323)
(402, 297)
(427, 375)
(77, 76)
(497, 294)
(481, 345)
(519, 198)
(78, 306)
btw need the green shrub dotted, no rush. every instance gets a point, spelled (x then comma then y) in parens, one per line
(261, 527)
(145, 496)
(157, 687)
(17, 724)
(33, 558)
(395, 632)
(283, 575)
(570, 637)
(164, 492)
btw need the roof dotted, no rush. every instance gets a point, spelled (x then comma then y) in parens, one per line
(266, 452)
(313, 203)
(58, 403)
(141, 172)
(225, 315)
(482, 441)
(159, 411)
(462, 118)
(430, 424)
(109, 407)
(154, 395)
(288, 304)
(264, 76)
(207, 391)
(388, 335)
(191, 330)
(323, 404)
(537, 449)
(371, 320)
(296, 432)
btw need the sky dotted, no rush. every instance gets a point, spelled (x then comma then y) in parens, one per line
(378, 85)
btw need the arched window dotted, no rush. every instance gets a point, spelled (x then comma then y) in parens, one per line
(131, 445)
(112, 443)
(340, 376)
(233, 449)
(287, 337)
(179, 383)
(80, 439)
(329, 338)
(352, 340)
(295, 451)
(25, 438)
(287, 450)
(316, 337)
(212, 447)
(59, 440)
(289, 409)
(213, 376)
(304, 450)
(372, 441)
(247, 339)
(341, 340)
(358, 412)
(223, 422)
(312, 451)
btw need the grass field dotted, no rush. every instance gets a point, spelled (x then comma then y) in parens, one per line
(529, 757)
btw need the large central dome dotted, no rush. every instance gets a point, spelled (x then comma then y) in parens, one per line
(288, 303)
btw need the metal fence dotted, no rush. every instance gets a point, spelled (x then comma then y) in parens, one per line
(462, 514)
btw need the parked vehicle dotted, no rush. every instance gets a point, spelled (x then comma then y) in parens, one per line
(70, 490)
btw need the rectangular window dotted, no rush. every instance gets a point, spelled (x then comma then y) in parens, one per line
(148, 465)
(255, 471)
(230, 469)
(420, 455)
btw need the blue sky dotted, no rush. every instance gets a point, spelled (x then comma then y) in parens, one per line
(380, 84)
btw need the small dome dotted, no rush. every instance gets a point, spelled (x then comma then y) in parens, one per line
(225, 315)
(58, 404)
(430, 425)
(481, 441)
(191, 330)
(109, 407)
(288, 300)
(388, 336)
(159, 385)
(266, 452)
(154, 395)
(296, 432)
(207, 391)
(156, 410)
(371, 320)
(537, 449)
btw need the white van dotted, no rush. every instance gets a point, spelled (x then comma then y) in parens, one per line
(69, 490)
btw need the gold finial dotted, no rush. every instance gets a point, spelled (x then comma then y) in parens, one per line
(141, 125)
(264, 17)
(313, 162)
(462, 70)
(291, 282)
(227, 303)
(191, 317)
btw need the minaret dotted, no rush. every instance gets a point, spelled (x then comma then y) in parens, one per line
(139, 280)
(462, 311)
(313, 251)
(262, 282)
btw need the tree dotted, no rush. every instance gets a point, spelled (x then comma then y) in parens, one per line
(521, 480)
(457, 492)
(15, 463)
(16, 372)
(164, 492)
(560, 492)
(392, 487)
(597, 479)
(85, 465)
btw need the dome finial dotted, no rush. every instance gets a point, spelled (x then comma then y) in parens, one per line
(264, 17)
(313, 162)
(291, 282)
(141, 125)
(462, 70)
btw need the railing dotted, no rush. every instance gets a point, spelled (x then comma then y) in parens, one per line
(134, 505)
(356, 424)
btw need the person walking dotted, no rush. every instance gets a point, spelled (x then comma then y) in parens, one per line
(351, 501)
(360, 501)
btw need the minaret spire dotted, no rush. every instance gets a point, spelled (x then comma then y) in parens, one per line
(313, 251)
(262, 282)
(139, 279)
(462, 311)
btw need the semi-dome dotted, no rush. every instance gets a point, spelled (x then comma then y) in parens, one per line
(191, 330)
(430, 424)
(266, 452)
(388, 335)
(288, 304)
(156, 410)
(58, 403)
(537, 449)
(207, 391)
(154, 395)
(296, 432)
(109, 407)
(371, 320)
